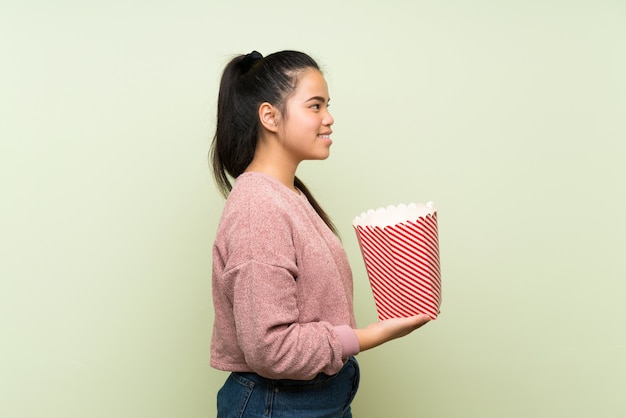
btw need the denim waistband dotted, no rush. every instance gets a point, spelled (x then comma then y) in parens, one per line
(286, 384)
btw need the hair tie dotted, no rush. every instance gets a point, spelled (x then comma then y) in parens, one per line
(249, 60)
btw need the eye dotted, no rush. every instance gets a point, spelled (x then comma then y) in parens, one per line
(316, 106)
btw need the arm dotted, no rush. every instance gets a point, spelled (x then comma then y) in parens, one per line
(273, 340)
(389, 329)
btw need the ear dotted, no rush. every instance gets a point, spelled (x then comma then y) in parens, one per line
(269, 115)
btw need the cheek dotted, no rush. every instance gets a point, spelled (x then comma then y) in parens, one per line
(314, 122)
(304, 125)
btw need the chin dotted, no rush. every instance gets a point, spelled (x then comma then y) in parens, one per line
(318, 155)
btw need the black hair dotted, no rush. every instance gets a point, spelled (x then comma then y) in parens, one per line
(247, 82)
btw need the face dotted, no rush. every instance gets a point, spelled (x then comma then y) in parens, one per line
(306, 127)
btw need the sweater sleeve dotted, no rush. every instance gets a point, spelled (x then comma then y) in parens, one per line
(274, 343)
(349, 341)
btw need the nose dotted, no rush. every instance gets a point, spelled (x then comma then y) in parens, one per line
(328, 119)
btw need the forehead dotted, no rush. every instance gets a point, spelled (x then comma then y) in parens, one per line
(310, 83)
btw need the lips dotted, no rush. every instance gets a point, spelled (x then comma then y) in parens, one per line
(326, 138)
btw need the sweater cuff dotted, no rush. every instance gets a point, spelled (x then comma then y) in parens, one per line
(349, 341)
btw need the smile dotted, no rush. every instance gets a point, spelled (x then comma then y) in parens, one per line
(326, 138)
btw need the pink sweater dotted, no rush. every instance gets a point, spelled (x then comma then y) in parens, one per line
(282, 286)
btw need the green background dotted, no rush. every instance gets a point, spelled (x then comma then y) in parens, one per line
(510, 115)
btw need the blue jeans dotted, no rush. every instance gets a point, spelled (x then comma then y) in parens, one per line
(246, 395)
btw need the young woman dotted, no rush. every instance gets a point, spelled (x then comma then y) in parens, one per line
(282, 286)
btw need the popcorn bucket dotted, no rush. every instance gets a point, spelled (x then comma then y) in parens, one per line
(400, 248)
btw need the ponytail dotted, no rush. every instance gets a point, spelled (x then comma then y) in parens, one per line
(301, 186)
(234, 142)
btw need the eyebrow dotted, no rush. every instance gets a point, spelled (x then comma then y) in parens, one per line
(320, 98)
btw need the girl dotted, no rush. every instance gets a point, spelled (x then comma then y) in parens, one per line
(282, 286)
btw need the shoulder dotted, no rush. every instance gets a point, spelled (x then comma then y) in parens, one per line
(259, 202)
(258, 221)
(261, 193)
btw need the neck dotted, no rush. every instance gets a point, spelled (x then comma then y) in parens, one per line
(270, 158)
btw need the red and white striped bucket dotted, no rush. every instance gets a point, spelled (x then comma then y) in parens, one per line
(400, 247)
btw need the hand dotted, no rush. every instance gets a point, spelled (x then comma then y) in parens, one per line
(389, 329)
